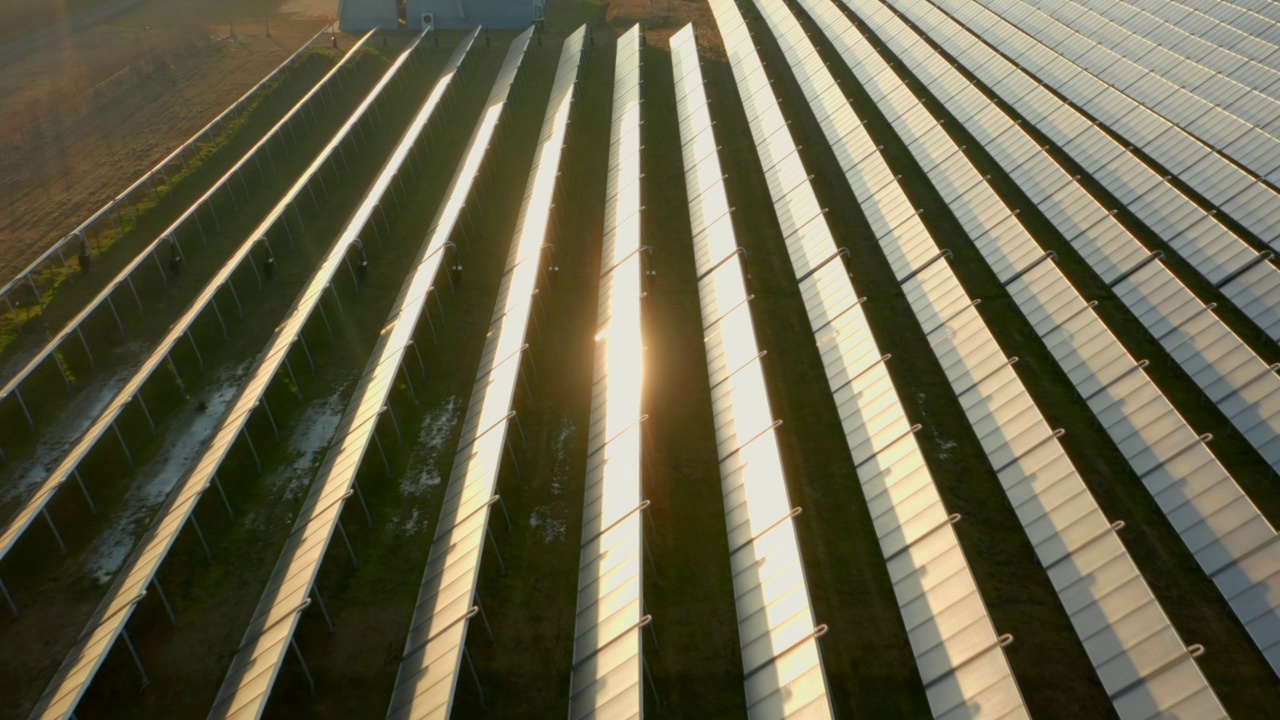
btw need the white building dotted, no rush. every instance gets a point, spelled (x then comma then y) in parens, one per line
(362, 15)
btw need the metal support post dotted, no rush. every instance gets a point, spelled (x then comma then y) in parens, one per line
(36, 290)
(136, 298)
(213, 302)
(9, 599)
(93, 509)
(503, 504)
(56, 535)
(176, 375)
(164, 277)
(66, 379)
(128, 455)
(324, 610)
(310, 682)
(288, 366)
(111, 304)
(17, 392)
(164, 600)
(343, 530)
(271, 418)
(485, 617)
(409, 382)
(143, 404)
(225, 500)
(422, 367)
(360, 496)
(435, 339)
(136, 660)
(502, 566)
(325, 317)
(208, 555)
(652, 687)
(382, 453)
(511, 451)
(196, 348)
(395, 424)
(244, 430)
(467, 654)
(307, 350)
(85, 344)
(231, 284)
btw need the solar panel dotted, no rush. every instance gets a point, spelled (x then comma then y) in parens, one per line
(606, 678)
(151, 251)
(434, 649)
(1211, 513)
(34, 505)
(78, 234)
(138, 572)
(781, 659)
(1073, 540)
(1243, 387)
(957, 651)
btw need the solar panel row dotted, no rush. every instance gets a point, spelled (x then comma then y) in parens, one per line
(1228, 115)
(781, 658)
(959, 655)
(606, 679)
(1251, 202)
(428, 674)
(1229, 537)
(205, 134)
(1142, 663)
(1244, 16)
(1244, 276)
(1238, 382)
(138, 572)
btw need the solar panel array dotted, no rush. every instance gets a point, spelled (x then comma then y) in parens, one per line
(429, 666)
(955, 644)
(138, 572)
(1244, 197)
(1173, 29)
(1232, 541)
(205, 134)
(1231, 375)
(1242, 274)
(606, 679)
(781, 657)
(1142, 663)
(65, 470)
(1193, 84)
(1237, 121)
(12, 387)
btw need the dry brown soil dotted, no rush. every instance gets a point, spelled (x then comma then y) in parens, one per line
(91, 112)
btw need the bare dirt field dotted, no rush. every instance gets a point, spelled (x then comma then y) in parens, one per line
(90, 112)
